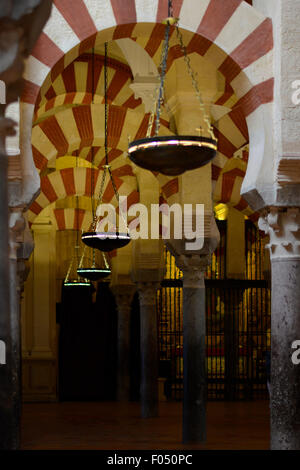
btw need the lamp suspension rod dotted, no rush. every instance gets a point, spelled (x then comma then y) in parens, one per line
(163, 68)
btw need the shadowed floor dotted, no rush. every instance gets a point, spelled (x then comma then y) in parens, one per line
(110, 425)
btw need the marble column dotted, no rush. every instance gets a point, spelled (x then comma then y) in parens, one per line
(123, 296)
(193, 263)
(149, 349)
(283, 227)
(8, 426)
(194, 350)
(16, 224)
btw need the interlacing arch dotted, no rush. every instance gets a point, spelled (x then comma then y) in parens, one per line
(211, 27)
(78, 182)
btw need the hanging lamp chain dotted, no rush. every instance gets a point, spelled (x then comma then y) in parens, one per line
(106, 167)
(76, 248)
(105, 103)
(92, 149)
(163, 67)
(193, 76)
(105, 261)
(160, 90)
(94, 217)
(69, 271)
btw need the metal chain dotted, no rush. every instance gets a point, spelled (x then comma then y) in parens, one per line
(105, 104)
(117, 195)
(105, 260)
(163, 68)
(106, 167)
(150, 124)
(152, 115)
(69, 271)
(193, 76)
(92, 149)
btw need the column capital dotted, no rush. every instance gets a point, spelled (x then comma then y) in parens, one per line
(193, 268)
(123, 295)
(16, 228)
(209, 233)
(146, 88)
(147, 292)
(283, 227)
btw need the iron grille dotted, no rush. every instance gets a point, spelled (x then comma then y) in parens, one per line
(237, 324)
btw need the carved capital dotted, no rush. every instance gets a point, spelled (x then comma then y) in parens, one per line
(22, 274)
(123, 302)
(123, 296)
(147, 292)
(193, 268)
(16, 227)
(146, 89)
(283, 227)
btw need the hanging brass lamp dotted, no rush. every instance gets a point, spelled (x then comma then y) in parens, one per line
(70, 281)
(92, 272)
(110, 240)
(173, 155)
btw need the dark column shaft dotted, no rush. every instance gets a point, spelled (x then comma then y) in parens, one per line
(285, 376)
(194, 365)
(149, 357)
(9, 384)
(123, 350)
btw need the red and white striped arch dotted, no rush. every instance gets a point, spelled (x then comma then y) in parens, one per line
(78, 182)
(228, 186)
(72, 219)
(244, 52)
(236, 37)
(74, 86)
(74, 128)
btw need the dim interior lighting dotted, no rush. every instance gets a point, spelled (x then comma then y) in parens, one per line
(173, 155)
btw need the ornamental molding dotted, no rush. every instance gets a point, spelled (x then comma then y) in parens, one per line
(283, 227)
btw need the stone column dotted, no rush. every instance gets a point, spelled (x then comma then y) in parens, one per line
(17, 38)
(123, 296)
(193, 263)
(149, 349)
(16, 224)
(235, 269)
(194, 351)
(283, 226)
(9, 431)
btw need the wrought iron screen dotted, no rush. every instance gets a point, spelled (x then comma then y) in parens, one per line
(237, 324)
